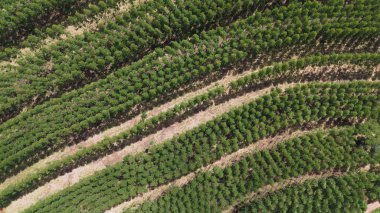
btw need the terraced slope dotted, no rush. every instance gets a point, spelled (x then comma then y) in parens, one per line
(72, 63)
(190, 106)
(216, 190)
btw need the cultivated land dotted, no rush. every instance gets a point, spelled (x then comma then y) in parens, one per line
(189, 106)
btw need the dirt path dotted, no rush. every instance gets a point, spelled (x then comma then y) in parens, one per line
(75, 175)
(371, 207)
(152, 194)
(292, 181)
(71, 150)
(225, 161)
(72, 31)
(159, 137)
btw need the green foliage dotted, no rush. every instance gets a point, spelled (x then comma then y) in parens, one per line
(345, 193)
(160, 49)
(214, 191)
(82, 109)
(96, 54)
(177, 111)
(211, 141)
(18, 19)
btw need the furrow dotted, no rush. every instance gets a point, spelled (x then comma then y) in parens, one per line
(71, 150)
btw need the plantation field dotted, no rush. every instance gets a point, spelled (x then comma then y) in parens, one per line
(189, 106)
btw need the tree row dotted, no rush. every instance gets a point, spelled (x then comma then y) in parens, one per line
(164, 119)
(20, 18)
(74, 62)
(348, 193)
(207, 143)
(34, 39)
(74, 114)
(216, 190)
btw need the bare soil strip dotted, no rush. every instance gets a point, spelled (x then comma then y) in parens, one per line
(71, 150)
(159, 137)
(371, 207)
(75, 175)
(225, 161)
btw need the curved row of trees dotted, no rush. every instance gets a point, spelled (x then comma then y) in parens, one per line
(20, 18)
(83, 59)
(216, 190)
(177, 113)
(348, 193)
(108, 145)
(283, 71)
(46, 128)
(212, 39)
(209, 142)
(36, 35)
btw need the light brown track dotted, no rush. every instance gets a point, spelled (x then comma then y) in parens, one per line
(371, 207)
(71, 150)
(77, 174)
(159, 137)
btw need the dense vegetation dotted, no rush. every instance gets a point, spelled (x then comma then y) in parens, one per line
(139, 85)
(216, 190)
(214, 139)
(33, 37)
(21, 17)
(182, 111)
(85, 58)
(72, 63)
(96, 78)
(337, 194)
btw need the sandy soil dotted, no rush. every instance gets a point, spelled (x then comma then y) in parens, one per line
(152, 194)
(71, 150)
(371, 207)
(74, 176)
(159, 137)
